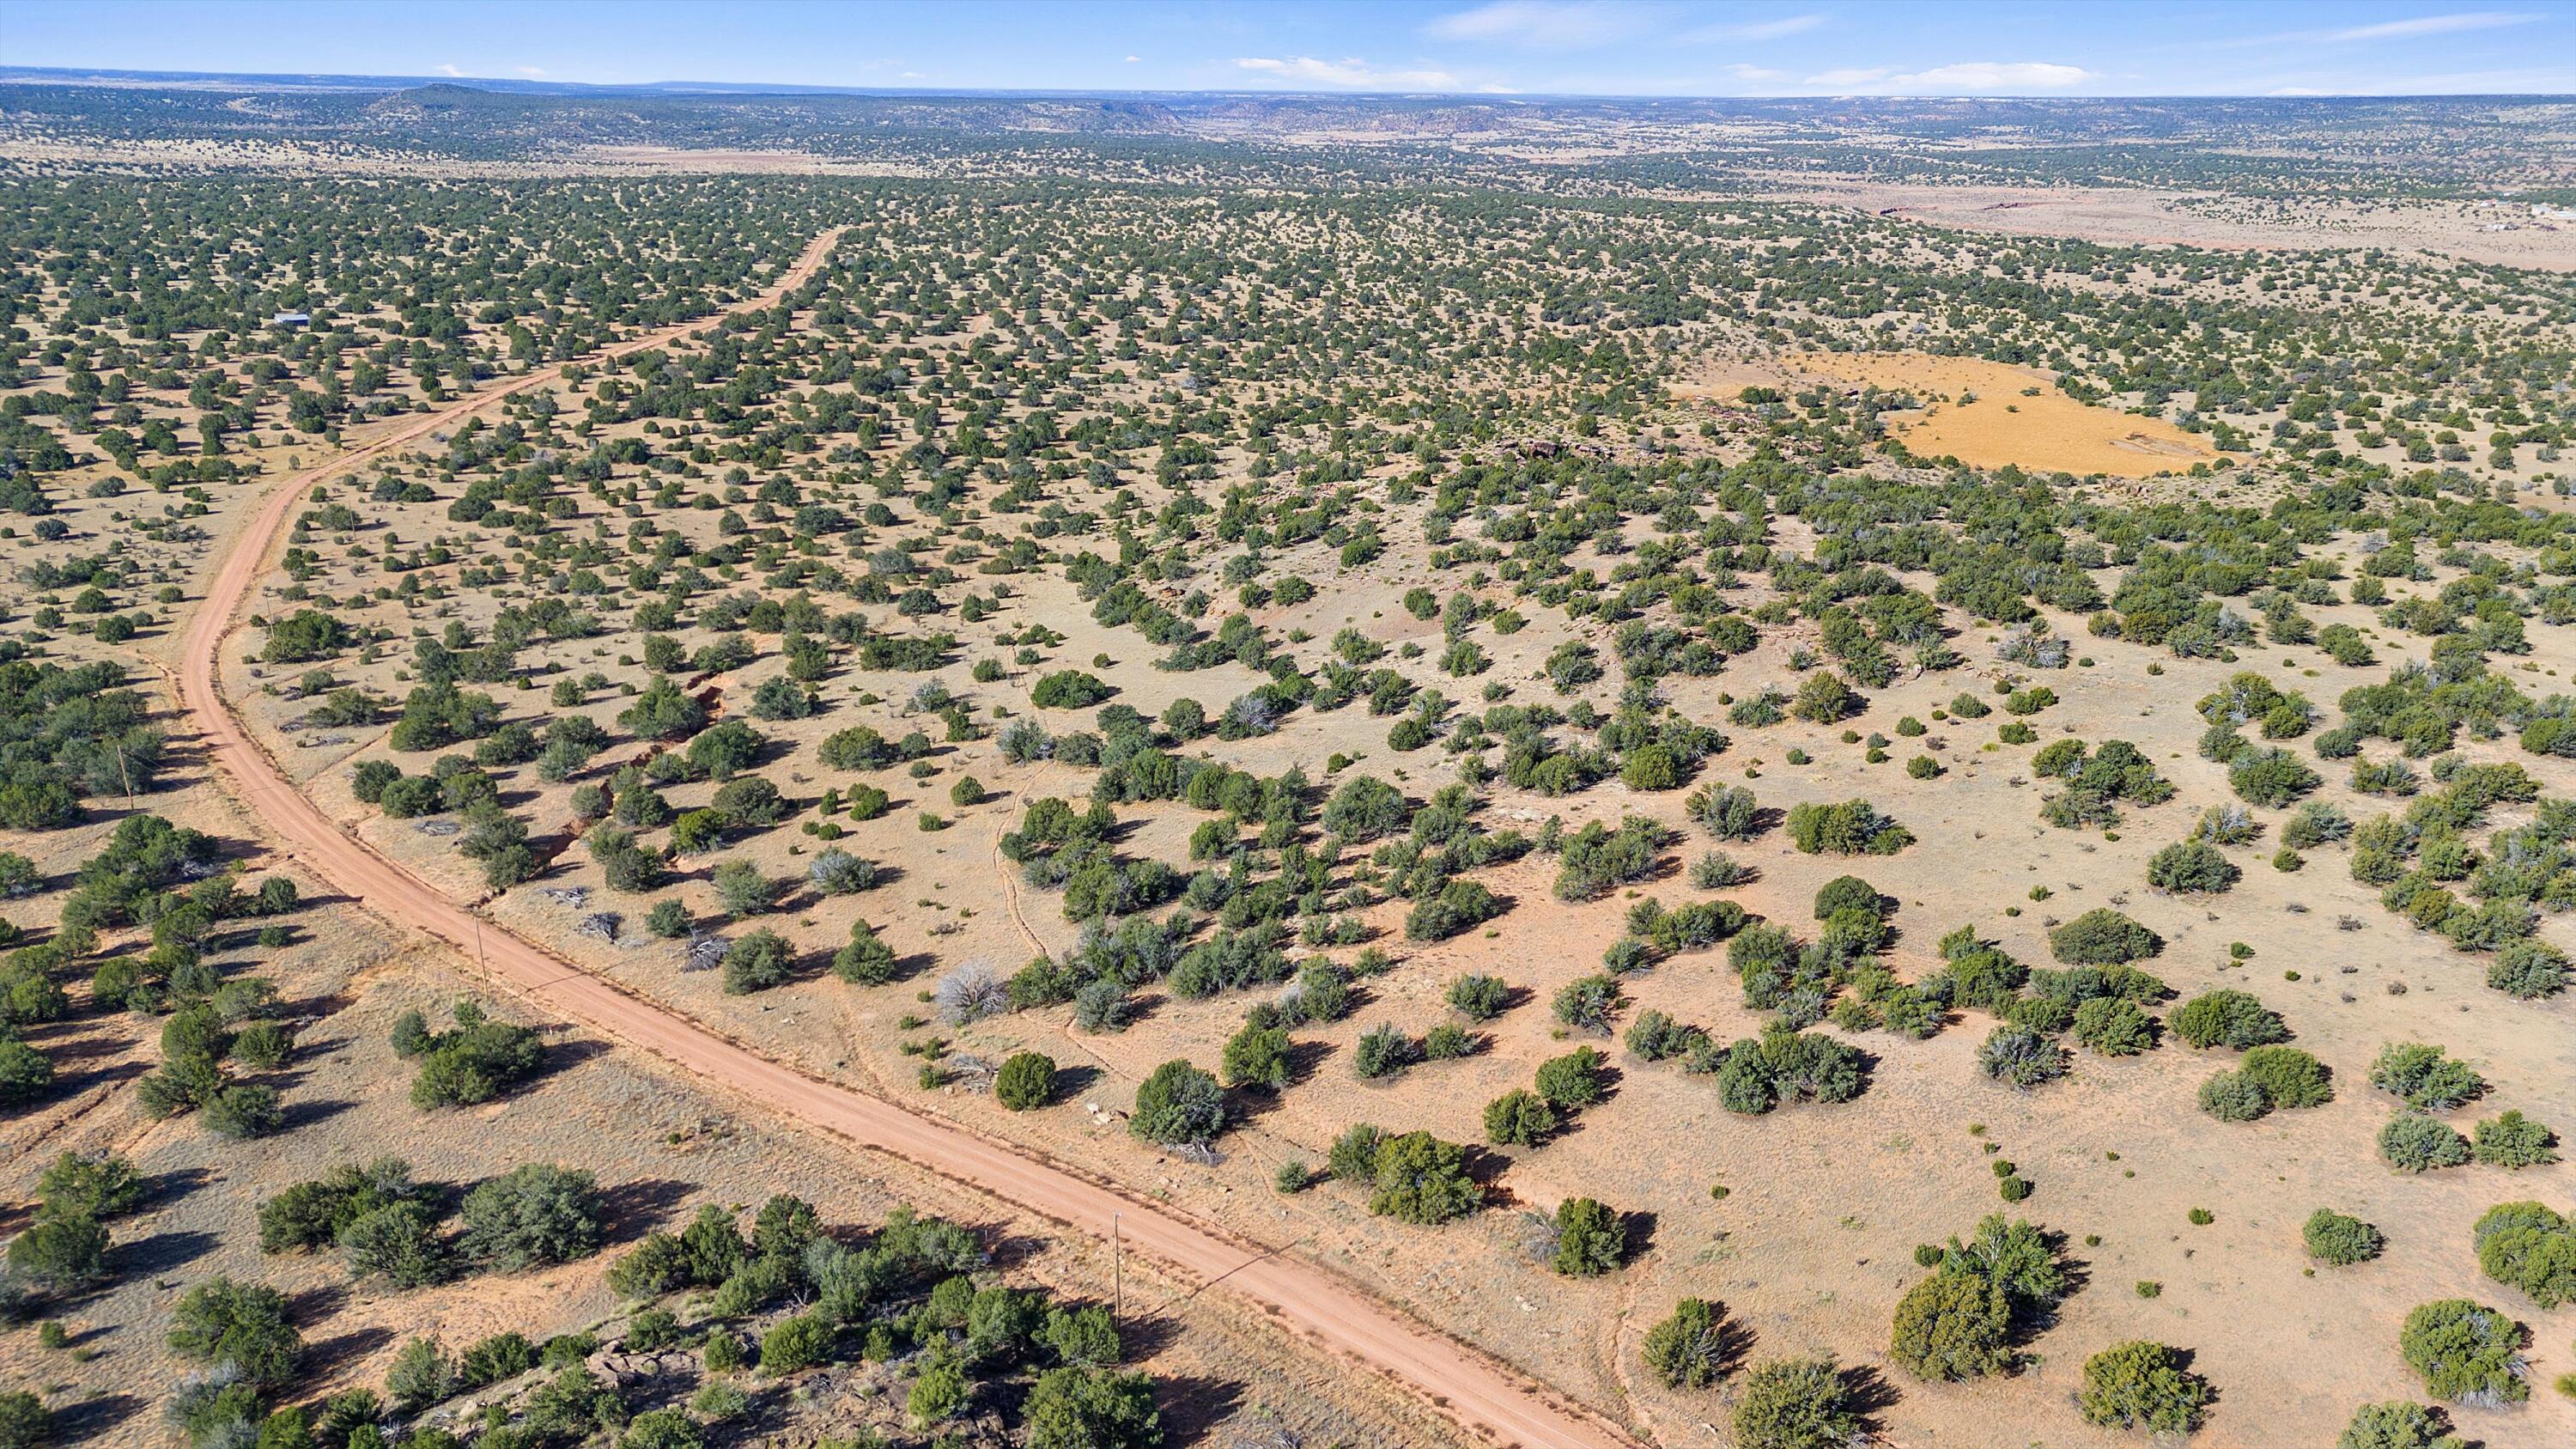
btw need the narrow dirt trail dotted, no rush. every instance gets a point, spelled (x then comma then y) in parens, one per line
(1482, 1394)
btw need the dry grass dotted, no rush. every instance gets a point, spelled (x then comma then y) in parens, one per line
(1988, 414)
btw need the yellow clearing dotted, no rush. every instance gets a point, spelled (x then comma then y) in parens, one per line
(2048, 431)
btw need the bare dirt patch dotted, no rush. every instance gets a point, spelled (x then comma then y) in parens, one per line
(2498, 232)
(1988, 414)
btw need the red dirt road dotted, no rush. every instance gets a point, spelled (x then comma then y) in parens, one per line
(1299, 1297)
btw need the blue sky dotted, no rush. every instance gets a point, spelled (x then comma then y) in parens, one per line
(1614, 47)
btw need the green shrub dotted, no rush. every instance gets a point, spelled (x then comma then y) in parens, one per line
(1479, 997)
(1383, 1050)
(2424, 1078)
(1417, 1178)
(2271, 778)
(1952, 1326)
(2528, 969)
(1079, 1407)
(1025, 1082)
(1587, 1003)
(797, 1342)
(1519, 1118)
(2530, 1247)
(1852, 828)
(2141, 1385)
(1069, 689)
(59, 1253)
(2338, 1240)
(2234, 1097)
(1795, 1404)
(420, 1376)
(2412, 1142)
(1178, 1104)
(1688, 1348)
(2289, 1077)
(2020, 1058)
(662, 1429)
(2226, 1018)
(25, 1422)
(2102, 937)
(2114, 1026)
(2191, 867)
(1576, 1079)
(533, 1215)
(1590, 1240)
(2467, 1352)
(757, 962)
(2397, 1425)
(2513, 1141)
(223, 1322)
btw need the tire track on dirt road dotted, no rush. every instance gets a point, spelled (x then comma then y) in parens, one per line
(1479, 1392)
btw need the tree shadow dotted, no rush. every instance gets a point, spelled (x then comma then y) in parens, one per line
(1306, 1058)
(317, 1303)
(161, 1190)
(1640, 1228)
(1194, 1406)
(162, 1252)
(1072, 1082)
(307, 1111)
(562, 1056)
(72, 1043)
(1004, 1248)
(323, 1359)
(1144, 1336)
(1250, 1104)
(632, 1208)
(1871, 1394)
(115, 1075)
(102, 1420)
(1485, 1167)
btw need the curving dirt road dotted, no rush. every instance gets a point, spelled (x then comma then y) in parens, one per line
(1483, 1395)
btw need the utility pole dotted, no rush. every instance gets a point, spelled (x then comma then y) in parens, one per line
(1118, 1269)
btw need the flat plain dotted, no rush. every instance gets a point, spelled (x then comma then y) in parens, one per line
(1775, 824)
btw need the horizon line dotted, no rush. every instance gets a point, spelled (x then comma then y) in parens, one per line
(523, 85)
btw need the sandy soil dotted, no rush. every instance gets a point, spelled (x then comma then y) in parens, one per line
(1988, 414)
(1813, 1246)
(2010, 414)
(659, 1146)
(2149, 217)
(1300, 1297)
(660, 1143)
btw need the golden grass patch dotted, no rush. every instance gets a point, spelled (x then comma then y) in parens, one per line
(1988, 414)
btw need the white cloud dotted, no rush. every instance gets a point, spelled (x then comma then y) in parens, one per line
(1542, 24)
(1970, 75)
(1350, 74)
(1131, 60)
(2417, 27)
(532, 72)
(1745, 72)
(450, 70)
(2289, 91)
(2432, 25)
(1780, 29)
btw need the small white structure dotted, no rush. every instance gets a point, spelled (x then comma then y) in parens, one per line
(291, 320)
